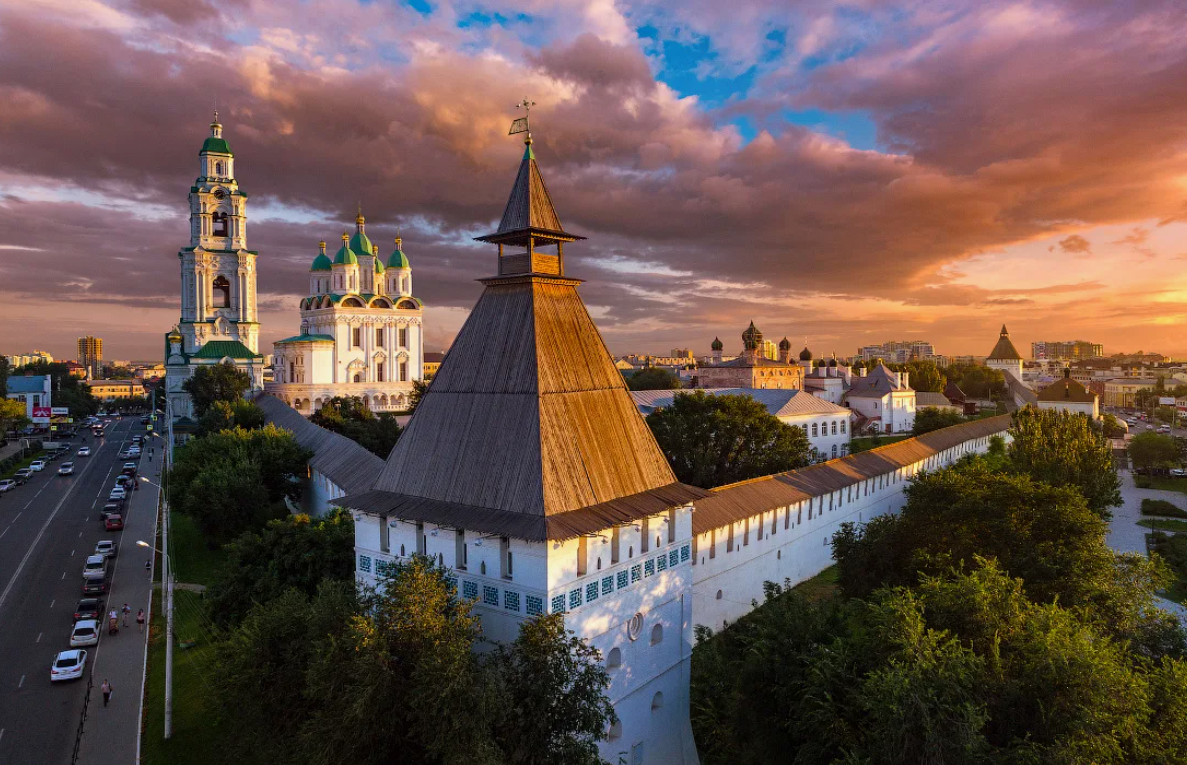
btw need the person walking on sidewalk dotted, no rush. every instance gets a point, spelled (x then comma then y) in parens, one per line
(125, 611)
(106, 688)
(140, 620)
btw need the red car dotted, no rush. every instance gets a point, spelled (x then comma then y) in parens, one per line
(114, 522)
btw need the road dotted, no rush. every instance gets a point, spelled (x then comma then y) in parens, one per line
(47, 529)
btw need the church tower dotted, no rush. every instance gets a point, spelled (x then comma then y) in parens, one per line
(219, 320)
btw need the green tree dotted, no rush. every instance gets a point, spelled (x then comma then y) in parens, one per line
(1167, 414)
(223, 415)
(716, 440)
(219, 382)
(294, 552)
(1153, 450)
(924, 375)
(931, 418)
(5, 368)
(67, 390)
(419, 388)
(1112, 426)
(12, 415)
(977, 381)
(1066, 449)
(554, 686)
(653, 378)
(237, 480)
(349, 416)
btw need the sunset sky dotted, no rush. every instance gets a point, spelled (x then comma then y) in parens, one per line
(843, 172)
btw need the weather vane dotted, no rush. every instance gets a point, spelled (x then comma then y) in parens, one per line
(520, 125)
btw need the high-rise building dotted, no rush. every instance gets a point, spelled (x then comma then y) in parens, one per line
(1066, 350)
(897, 351)
(90, 355)
(770, 350)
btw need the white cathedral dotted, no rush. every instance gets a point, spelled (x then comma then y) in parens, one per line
(360, 331)
(219, 319)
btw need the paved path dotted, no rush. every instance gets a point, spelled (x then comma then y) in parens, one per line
(1126, 536)
(111, 734)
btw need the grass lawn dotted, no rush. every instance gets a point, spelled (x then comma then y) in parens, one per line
(1163, 508)
(820, 587)
(193, 561)
(22, 464)
(1165, 484)
(1150, 523)
(865, 443)
(195, 739)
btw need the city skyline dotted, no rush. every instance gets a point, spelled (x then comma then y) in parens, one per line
(845, 174)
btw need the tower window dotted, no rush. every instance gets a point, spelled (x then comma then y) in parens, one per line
(223, 287)
(218, 169)
(403, 371)
(403, 337)
(356, 337)
(379, 337)
(220, 224)
(379, 372)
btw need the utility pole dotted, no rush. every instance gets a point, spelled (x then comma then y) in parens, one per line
(167, 579)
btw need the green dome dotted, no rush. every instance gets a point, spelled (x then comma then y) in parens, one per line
(398, 260)
(378, 266)
(346, 257)
(320, 263)
(360, 243)
(214, 145)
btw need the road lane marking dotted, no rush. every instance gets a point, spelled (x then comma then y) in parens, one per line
(80, 535)
(38, 494)
(39, 634)
(17, 517)
(2, 533)
(26, 507)
(73, 551)
(21, 683)
(51, 603)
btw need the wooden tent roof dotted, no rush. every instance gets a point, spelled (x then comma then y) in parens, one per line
(529, 209)
(1004, 350)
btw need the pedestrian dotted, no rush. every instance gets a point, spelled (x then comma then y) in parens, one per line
(126, 610)
(140, 620)
(148, 566)
(106, 688)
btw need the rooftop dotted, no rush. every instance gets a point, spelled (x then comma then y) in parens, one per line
(781, 403)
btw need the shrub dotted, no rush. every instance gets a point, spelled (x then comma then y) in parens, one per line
(1163, 508)
(1143, 482)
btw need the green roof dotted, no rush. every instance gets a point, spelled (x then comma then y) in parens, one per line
(217, 349)
(398, 260)
(378, 266)
(215, 146)
(360, 243)
(346, 257)
(321, 263)
(307, 339)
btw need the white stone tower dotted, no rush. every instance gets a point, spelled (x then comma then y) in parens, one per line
(219, 320)
(1005, 356)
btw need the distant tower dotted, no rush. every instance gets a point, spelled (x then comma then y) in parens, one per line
(717, 347)
(751, 343)
(785, 351)
(1005, 356)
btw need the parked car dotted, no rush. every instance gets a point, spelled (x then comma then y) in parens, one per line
(130, 468)
(114, 522)
(37, 466)
(22, 475)
(94, 586)
(106, 548)
(118, 493)
(1178, 473)
(68, 665)
(7, 484)
(84, 451)
(112, 506)
(67, 468)
(95, 567)
(88, 608)
(85, 632)
(125, 482)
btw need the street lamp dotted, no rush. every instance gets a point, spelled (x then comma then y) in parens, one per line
(142, 543)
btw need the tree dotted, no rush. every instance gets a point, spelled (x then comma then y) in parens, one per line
(1153, 450)
(349, 416)
(12, 415)
(1066, 449)
(931, 418)
(1167, 414)
(419, 389)
(220, 382)
(1112, 426)
(977, 381)
(715, 440)
(237, 480)
(4, 372)
(925, 375)
(67, 390)
(222, 415)
(294, 552)
(653, 378)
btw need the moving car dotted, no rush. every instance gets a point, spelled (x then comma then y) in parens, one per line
(7, 485)
(88, 608)
(84, 451)
(114, 522)
(67, 468)
(106, 548)
(118, 493)
(68, 665)
(85, 632)
(37, 465)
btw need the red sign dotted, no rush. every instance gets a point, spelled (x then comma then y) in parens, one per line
(42, 412)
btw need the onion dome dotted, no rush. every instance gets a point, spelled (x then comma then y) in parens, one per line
(174, 336)
(345, 256)
(717, 344)
(832, 362)
(378, 262)
(805, 355)
(321, 262)
(215, 144)
(397, 259)
(359, 242)
(785, 344)
(752, 338)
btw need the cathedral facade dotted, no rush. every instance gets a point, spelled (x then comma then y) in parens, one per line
(219, 319)
(361, 331)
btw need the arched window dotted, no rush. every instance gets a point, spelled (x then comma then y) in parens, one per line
(834, 451)
(220, 224)
(223, 287)
(358, 378)
(218, 169)
(401, 550)
(815, 430)
(614, 658)
(719, 594)
(657, 701)
(657, 634)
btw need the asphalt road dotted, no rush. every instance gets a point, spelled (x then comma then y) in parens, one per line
(47, 529)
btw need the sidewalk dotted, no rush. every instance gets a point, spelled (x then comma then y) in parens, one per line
(1125, 535)
(111, 734)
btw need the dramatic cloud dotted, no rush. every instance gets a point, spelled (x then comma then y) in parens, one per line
(696, 144)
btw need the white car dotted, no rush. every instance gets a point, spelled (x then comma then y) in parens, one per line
(118, 493)
(84, 451)
(67, 468)
(68, 665)
(85, 632)
(7, 485)
(106, 548)
(96, 566)
(37, 466)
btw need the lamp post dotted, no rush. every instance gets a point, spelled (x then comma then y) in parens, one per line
(166, 578)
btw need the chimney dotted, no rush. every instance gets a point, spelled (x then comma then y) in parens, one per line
(862, 372)
(906, 379)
